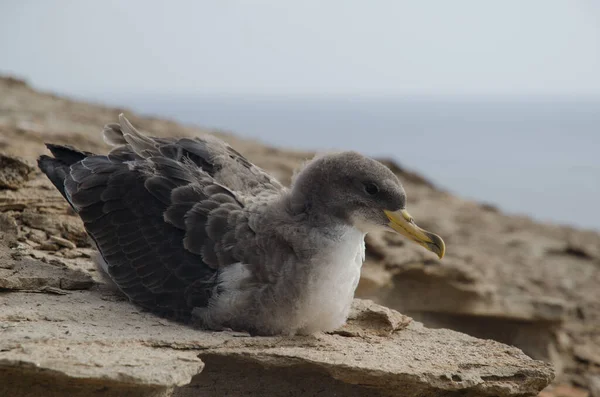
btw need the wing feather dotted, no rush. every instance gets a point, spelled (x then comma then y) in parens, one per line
(166, 214)
(139, 225)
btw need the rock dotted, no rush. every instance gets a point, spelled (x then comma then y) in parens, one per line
(71, 344)
(71, 229)
(74, 253)
(67, 229)
(8, 229)
(368, 318)
(13, 81)
(594, 385)
(38, 221)
(8, 225)
(63, 242)
(48, 247)
(31, 275)
(565, 391)
(37, 236)
(14, 172)
(588, 353)
(374, 280)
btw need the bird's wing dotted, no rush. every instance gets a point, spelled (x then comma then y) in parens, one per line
(163, 223)
(215, 157)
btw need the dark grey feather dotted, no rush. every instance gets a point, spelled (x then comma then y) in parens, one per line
(161, 221)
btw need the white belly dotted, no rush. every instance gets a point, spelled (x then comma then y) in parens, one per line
(331, 285)
(325, 293)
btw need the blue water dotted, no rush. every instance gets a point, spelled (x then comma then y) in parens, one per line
(540, 158)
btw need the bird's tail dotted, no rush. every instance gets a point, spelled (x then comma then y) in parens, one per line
(57, 168)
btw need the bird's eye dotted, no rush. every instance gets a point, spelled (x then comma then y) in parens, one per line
(371, 188)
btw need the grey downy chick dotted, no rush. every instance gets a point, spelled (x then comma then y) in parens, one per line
(191, 230)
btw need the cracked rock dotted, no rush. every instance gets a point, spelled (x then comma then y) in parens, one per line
(14, 172)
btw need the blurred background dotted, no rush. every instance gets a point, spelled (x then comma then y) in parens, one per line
(495, 101)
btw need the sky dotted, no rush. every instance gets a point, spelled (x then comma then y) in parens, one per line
(305, 48)
(180, 58)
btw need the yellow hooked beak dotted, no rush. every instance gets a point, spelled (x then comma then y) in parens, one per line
(403, 223)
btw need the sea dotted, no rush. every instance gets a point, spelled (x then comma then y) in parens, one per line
(537, 157)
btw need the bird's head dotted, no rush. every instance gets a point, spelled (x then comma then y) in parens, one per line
(362, 192)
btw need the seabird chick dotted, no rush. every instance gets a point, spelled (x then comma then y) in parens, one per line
(191, 230)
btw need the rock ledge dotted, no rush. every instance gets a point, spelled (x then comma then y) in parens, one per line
(72, 342)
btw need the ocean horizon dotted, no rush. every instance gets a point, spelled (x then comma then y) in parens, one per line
(535, 157)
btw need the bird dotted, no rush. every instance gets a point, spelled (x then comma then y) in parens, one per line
(191, 230)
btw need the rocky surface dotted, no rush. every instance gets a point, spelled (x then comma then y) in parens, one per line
(505, 278)
(75, 341)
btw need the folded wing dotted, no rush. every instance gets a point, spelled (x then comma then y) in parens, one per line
(160, 212)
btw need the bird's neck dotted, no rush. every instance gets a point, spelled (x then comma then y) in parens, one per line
(308, 207)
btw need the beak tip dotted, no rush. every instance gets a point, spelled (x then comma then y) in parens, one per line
(437, 245)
